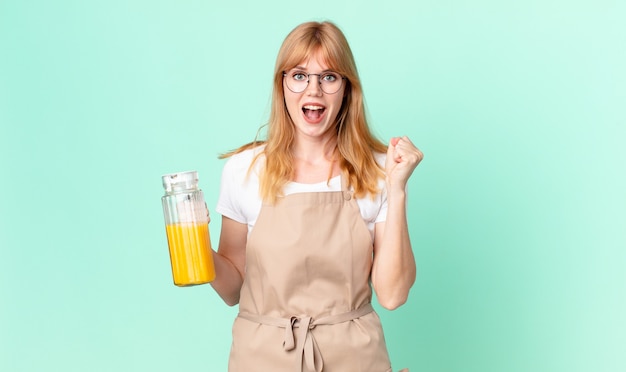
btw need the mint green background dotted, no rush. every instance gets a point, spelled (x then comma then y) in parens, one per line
(517, 213)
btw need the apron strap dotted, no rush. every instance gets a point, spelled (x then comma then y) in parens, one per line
(308, 350)
(347, 194)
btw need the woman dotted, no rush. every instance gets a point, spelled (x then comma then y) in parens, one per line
(311, 216)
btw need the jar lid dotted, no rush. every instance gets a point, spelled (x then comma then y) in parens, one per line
(180, 181)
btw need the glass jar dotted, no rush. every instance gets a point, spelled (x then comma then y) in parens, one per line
(187, 228)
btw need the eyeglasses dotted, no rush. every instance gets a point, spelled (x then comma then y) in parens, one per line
(297, 81)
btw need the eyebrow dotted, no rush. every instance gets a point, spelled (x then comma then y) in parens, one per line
(305, 69)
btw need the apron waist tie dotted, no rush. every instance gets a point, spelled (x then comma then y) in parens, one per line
(308, 350)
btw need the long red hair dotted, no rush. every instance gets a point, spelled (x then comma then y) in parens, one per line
(356, 145)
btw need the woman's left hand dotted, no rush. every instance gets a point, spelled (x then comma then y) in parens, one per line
(402, 158)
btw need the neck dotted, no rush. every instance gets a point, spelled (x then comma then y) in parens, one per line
(315, 161)
(315, 151)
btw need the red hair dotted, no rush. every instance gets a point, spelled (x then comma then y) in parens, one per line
(356, 146)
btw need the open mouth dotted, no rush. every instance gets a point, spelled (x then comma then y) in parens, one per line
(313, 112)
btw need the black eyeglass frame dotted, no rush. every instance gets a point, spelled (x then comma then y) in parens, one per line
(319, 81)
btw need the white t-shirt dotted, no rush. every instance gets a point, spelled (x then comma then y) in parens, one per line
(239, 197)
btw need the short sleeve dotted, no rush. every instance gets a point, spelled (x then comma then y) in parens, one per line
(227, 202)
(239, 188)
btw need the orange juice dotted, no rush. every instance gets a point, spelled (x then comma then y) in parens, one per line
(190, 253)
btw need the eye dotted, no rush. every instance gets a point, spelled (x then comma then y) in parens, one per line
(299, 76)
(330, 77)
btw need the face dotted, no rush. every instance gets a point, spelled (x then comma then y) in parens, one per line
(313, 111)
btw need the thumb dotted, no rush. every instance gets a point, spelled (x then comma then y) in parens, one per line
(389, 162)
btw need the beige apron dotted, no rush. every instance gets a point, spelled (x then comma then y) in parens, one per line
(305, 301)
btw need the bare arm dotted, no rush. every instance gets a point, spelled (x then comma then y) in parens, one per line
(393, 270)
(230, 260)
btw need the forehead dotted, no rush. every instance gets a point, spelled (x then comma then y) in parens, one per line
(313, 62)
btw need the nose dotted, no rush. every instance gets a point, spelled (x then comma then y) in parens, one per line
(314, 87)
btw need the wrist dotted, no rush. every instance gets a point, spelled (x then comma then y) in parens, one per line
(396, 195)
